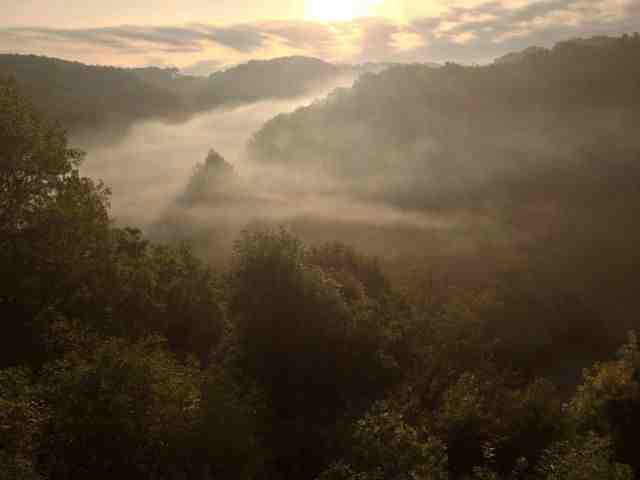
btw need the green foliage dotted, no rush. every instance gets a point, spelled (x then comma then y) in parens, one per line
(134, 401)
(22, 418)
(465, 419)
(608, 402)
(607, 382)
(162, 290)
(317, 351)
(286, 307)
(384, 446)
(103, 406)
(229, 428)
(583, 458)
(534, 419)
(356, 273)
(51, 221)
(60, 259)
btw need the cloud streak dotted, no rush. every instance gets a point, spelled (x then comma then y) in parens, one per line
(131, 38)
(466, 34)
(490, 29)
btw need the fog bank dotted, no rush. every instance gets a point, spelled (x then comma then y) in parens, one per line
(148, 168)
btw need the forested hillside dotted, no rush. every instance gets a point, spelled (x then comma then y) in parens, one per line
(458, 128)
(535, 160)
(518, 179)
(301, 359)
(103, 100)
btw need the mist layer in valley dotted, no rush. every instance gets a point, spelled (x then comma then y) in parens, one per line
(478, 157)
(148, 166)
(524, 169)
(152, 165)
(102, 104)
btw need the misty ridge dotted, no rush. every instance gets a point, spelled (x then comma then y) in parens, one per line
(505, 155)
(160, 122)
(100, 104)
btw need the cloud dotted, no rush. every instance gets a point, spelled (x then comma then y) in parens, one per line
(490, 29)
(378, 40)
(330, 41)
(476, 33)
(406, 41)
(242, 38)
(132, 38)
(301, 34)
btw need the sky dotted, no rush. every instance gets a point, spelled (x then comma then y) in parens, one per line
(200, 36)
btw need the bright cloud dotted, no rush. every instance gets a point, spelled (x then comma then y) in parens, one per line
(465, 31)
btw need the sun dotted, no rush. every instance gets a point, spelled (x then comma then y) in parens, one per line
(339, 10)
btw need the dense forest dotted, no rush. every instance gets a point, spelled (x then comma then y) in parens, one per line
(514, 358)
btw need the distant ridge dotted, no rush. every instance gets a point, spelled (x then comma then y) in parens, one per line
(599, 41)
(86, 98)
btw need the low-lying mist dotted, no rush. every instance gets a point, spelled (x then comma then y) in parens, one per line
(152, 170)
(148, 168)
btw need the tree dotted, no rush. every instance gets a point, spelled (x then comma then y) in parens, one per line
(384, 446)
(608, 402)
(52, 223)
(22, 418)
(61, 260)
(122, 410)
(317, 352)
(587, 457)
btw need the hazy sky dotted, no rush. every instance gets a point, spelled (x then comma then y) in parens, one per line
(208, 34)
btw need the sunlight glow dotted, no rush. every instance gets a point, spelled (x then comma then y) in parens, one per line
(339, 10)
